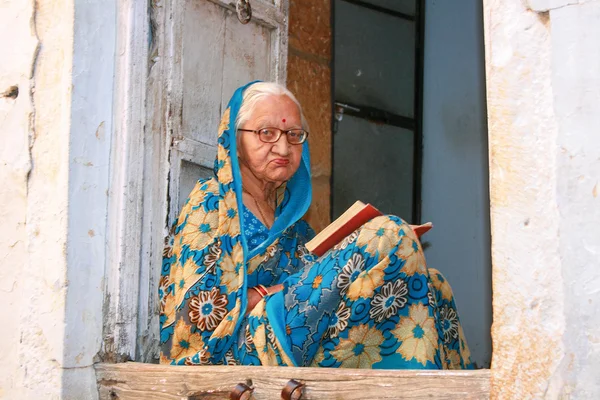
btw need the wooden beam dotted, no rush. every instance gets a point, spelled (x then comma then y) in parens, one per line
(157, 382)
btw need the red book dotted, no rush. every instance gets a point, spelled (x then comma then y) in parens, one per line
(352, 219)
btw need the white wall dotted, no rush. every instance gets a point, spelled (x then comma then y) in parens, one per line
(455, 163)
(55, 139)
(15, 164)
(543, 88)
(576, 85)
(33, 196)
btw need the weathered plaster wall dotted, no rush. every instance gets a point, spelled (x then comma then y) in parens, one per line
(309, 78)
(543, 83)
(33, 195)
(15, 163)
(576, 85)
(55, 143)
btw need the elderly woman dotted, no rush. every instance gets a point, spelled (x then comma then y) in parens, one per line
(239, 287)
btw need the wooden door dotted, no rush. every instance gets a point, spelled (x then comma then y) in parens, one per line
(217, 55)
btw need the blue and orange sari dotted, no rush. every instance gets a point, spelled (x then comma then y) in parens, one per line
(370, 302)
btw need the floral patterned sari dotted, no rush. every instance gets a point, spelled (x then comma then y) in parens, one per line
(370, 302)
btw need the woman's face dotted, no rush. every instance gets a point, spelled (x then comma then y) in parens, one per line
(271, 162)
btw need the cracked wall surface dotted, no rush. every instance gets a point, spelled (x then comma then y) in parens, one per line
(543, 92)
(56, 80)
(33, 195)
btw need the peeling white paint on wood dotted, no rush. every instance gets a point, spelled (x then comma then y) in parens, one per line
(124, 223)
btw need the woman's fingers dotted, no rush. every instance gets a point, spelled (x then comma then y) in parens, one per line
(275, 289)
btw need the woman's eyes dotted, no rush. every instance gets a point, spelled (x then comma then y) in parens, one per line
(267, 132)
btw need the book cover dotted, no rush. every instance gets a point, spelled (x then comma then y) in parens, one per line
(352, 219)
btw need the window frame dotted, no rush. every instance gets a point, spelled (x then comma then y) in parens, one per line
(141, 146)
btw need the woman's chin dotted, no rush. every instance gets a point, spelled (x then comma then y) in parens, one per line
(280, 173)
(280, 176)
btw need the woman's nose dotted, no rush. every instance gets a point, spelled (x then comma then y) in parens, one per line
(281, 146)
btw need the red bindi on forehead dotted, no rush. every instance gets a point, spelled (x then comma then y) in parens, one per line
(283, 120)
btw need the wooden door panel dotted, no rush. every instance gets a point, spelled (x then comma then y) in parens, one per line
(247, 55)
(202, 68)
(218, 54)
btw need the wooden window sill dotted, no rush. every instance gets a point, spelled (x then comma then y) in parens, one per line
(155, 382)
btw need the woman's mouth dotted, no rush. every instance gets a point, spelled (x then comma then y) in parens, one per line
(281, 161)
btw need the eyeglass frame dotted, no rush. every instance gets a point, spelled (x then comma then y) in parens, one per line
(281, 132)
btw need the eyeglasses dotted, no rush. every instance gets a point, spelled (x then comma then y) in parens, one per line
(272, 135)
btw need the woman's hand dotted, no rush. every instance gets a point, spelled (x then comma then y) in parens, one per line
(254, 297)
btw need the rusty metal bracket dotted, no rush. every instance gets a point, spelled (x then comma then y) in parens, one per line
(293, 390)
(244, 11)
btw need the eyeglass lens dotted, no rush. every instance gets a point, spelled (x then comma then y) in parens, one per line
(270, 135)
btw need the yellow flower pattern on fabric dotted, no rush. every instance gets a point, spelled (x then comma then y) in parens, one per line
(164, 359)
(224, 124)
(185, 343)
(361, 349)
(364, 286)
(229, 222)
(465, 352)
(418, 335)
(320, 356)
(453, 360)
(229, 322)
(225, 174)
(164, 285)
(265, 352)
(230, 268)
(379, 235)
(168, 308)
(410, 251)
(194, 200)
(254, 263)
(199, 229)
(184, 279)
(441, 284)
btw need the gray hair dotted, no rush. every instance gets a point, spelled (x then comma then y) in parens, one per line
(258, 91)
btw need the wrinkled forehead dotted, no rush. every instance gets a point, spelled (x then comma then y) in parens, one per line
(275, 110)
